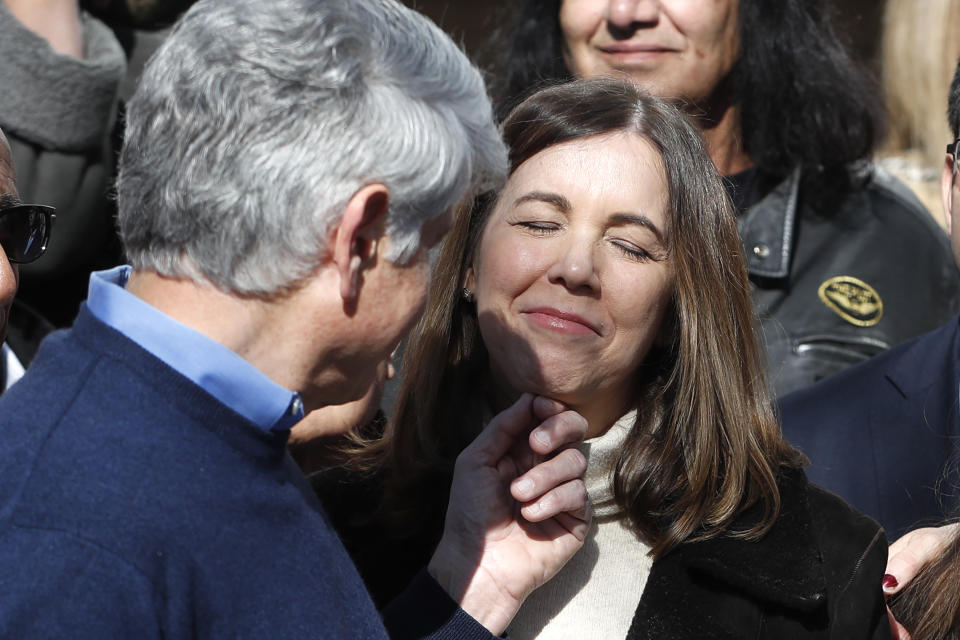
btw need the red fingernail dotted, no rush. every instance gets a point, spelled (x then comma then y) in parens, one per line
(889, 582)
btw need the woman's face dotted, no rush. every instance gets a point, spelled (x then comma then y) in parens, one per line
(572, 276)
(672, 48)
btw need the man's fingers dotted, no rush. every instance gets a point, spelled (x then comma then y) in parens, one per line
(501, 433)
(565, 466)
(557, 431)
(570, 498)
(578, 527)
(544, 407)
(912, 552)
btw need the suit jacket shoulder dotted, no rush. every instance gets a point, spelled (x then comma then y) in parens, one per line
(880, 434)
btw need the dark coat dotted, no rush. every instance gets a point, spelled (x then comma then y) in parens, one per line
(816, 574)
(881, 434)
(134, 504)
(832, 290)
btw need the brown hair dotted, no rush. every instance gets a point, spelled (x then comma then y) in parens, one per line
(929, 606)
(704, 446)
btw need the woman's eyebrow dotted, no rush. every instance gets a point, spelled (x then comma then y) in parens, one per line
(555, 199)
(638, 219)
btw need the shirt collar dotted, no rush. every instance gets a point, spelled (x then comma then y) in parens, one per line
(218, 370)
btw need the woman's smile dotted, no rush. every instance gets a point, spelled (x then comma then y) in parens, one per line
(561, 321)
(572, 274)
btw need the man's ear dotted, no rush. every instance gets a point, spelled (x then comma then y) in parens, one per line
(946, 190)
(357, 237)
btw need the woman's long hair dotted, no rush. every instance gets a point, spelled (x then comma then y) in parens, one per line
(705, 444)
(803, 100)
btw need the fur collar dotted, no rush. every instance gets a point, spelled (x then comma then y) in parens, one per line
(712, 589)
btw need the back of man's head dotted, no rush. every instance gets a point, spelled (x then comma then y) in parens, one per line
(257, 121)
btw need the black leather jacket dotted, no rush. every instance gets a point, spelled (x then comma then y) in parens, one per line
(834, 290)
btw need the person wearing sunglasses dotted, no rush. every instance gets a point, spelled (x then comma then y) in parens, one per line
(24, 233)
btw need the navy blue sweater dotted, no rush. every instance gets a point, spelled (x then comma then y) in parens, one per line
(134, 504)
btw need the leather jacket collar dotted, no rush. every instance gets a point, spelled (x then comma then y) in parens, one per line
(767, 230)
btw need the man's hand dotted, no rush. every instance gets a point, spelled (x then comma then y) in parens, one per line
(907, 557)
(518, 510)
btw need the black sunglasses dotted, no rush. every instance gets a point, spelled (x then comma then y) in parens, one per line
(25, 230)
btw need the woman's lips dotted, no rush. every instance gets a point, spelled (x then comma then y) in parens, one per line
(625, 52)
(561, 321)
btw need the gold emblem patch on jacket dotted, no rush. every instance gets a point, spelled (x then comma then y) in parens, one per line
(853, 300)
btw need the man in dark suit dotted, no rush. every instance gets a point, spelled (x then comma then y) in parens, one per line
(884, 434)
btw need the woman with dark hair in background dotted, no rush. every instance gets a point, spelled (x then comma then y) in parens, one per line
(608, 275)
(844, 261)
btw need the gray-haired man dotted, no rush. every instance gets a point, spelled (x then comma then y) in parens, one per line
(288, 165)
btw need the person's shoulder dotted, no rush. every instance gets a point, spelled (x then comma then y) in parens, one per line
(78, 581)
(868, 378)
(853, 552)
(835, 521)
(841, 392)
(845, 537)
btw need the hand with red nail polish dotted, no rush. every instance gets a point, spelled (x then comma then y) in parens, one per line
(912, 552)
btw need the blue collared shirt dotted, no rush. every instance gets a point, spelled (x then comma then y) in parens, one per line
(218, 370)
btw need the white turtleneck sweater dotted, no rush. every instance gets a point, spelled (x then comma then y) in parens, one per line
(596, 593)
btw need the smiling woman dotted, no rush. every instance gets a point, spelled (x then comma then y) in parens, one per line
(608, 275)
(572, 277)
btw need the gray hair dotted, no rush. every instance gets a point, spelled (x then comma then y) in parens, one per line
(256, 122)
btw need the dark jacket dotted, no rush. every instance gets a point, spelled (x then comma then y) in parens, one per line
(133, 504)
(816, 574)
(834, 290)
(883, 434)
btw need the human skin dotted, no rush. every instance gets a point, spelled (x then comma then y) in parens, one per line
(56, 21)
(572, 276)
(326, 340)
(681, 50)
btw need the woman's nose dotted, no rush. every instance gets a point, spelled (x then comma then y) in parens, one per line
(575, 268)
(624, 15)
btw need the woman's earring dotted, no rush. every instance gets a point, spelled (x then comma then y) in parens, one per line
(467, 295)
